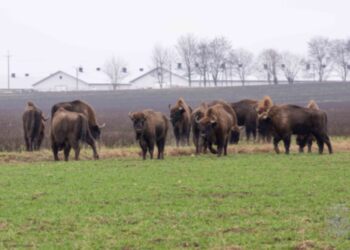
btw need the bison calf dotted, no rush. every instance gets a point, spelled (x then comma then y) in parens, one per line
(151, 128)
(68, 129)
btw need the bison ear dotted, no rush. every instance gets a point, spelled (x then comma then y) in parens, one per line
(131, 115)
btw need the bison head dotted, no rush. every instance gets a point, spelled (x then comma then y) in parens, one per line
(207, 126)
(176, 114)
(139, 122)
(96, 131)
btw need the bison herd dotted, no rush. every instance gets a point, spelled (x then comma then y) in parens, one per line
(216, 123)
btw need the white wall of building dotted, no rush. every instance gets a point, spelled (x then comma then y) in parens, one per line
(60, 82)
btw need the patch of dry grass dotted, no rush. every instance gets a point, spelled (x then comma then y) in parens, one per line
(340, 144)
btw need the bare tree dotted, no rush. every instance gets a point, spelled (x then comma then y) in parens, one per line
(160, 59)
(116, 70)
(291, 65)
(186, 48)
(270, 60)
(202, 60)
(219, 49)
(320, 56)
(241, 61)
(341, 57)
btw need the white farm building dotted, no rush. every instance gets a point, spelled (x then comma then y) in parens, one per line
(99, 81)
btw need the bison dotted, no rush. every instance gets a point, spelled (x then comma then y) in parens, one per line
(84, 108)
(68, 129)
(235, 133)
(33, 126)
(286, 120)
(151, 129)
(303, 140)
(198, 140)
(180, 116)
(247, 116)
(216, 127)
(264, 129)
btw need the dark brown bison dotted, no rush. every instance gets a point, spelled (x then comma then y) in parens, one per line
(286, 120)
(247, 116)
(303, 140)
(151, 129)
(33, 127)
(180, 116)
(198, 140)
(216, 127)
(68, 129)
(84, 108)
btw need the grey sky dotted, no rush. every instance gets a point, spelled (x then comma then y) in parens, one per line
(45, 36)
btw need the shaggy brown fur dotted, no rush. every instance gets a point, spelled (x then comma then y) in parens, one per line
(180, 116)
(151, 129)
(84, 108)
(216, 127)
(286, 120)
(264, 130)
(68, 129)
(33, 127)
(196, 115)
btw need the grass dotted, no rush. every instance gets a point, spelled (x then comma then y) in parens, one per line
(244, 201)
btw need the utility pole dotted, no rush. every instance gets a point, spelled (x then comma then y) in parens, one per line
(8, 69)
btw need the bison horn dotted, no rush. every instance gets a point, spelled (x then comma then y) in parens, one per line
(44, 118)
(181, 108)
(102, 126)
(196, 119)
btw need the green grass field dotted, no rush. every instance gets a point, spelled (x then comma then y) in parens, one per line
(242, 201)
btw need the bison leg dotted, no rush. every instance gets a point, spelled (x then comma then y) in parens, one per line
(160, 146)
(211, 149)
(66, 152)
(286, 142)
(309, 144)
(151, 149)
(328, 143)
(225, 147)
(143, 146)
(91, 141)
(27, 143)
(276, 140)
(55, 151)
(177, 136)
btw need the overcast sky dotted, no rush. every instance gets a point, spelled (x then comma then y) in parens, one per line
(44, 36)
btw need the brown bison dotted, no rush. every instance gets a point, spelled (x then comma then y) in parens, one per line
(198, 140)
(303, 140)
(216, 127)
(180, 116)
(235, 133)
(286, 120)
(33, 126)
(68, 129)
(247, 116)
(84, 108)
(151, 128)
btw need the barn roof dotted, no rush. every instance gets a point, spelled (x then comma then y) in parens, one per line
(153, 70)
(57, 73)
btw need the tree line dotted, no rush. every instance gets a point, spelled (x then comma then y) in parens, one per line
(216, 60)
